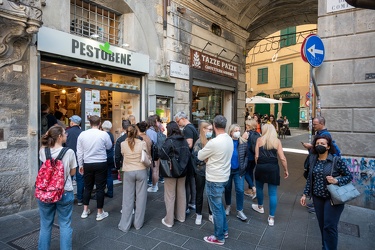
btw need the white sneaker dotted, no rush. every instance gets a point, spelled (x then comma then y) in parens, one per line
(152, 189)
(192, 206)
(256, 208)
(198, 220)
(227, 210)
(241, 215)
(271, 221)
(102, 216)
(85, 214)
(211, 218)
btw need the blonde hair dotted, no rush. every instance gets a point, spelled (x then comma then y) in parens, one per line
(232, 128)
(202, 134)
(252, 123)
(269, 137)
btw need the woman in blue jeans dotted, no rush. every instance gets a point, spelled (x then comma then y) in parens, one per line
(267, 151)
(237, 172)
(53, 139)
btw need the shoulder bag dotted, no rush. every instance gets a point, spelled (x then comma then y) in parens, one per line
(172, 167)
(145, 159)
(341, 194)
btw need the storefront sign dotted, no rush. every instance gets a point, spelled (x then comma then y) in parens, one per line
(179, 70)
(64, 44)
(212, 64)
(286, 96)
(337, 5)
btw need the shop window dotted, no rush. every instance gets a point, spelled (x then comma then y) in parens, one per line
(286, 75)
(287, 37)
(163, 108)
(207, 103)
(88, 19)
(262, 75)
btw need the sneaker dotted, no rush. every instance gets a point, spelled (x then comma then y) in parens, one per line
(149, 184)
(161, 180)
(241, 215)
(211, 218)
(165, 224)
(187, 211)
(227, 210)
(102, 216)
(249, 192)
(226, 235)
(256, 208)
(212, 239)
(79, 203)
(85, 214)
(192, 206)
(198, 220)
(271, 221)
(152, 189)
(254, 196)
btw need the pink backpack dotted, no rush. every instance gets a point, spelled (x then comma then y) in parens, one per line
(49, 184)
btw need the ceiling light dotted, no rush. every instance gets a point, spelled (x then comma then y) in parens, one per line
(63, 91)
(94, 35)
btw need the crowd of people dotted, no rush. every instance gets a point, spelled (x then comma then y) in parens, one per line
(210, 160)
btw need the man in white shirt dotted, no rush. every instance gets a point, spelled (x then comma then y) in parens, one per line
(92, 160)
(217, 153)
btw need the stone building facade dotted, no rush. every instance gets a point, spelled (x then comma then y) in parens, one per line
(163, 32)
(174, 36)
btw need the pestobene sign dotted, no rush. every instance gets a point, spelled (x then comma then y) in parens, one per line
(212, 64)
(65, 44)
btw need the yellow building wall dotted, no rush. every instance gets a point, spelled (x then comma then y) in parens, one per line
(267, 54)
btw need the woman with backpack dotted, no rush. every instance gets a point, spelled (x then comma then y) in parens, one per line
(175, 146)
(52, 142)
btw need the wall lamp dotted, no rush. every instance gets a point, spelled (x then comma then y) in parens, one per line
(208, 43)
(218, 54)
(234, 57)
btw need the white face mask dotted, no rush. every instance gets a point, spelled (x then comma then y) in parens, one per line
(236, 134)
(208, 134)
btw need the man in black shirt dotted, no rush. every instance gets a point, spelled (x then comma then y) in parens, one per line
(191, 136)
(47, 119)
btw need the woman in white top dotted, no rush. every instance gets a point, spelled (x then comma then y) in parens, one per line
(53, 139)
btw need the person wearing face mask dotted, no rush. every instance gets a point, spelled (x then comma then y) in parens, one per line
(237, 172)
(319, 177)
(268, 149)
(205, 134)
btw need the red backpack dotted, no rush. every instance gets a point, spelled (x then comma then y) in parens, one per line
(49, 184)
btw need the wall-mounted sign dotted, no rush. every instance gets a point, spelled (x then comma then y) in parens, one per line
(179, 70)
(337, 5)
(64, 44)
(286, 95)
(199, 60)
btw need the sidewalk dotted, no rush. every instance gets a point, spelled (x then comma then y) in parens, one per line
(294, 228)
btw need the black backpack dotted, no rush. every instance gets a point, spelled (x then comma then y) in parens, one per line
(157, 146)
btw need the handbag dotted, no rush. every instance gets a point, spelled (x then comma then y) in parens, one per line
(341, 194)
(171, 167)
(145, 159)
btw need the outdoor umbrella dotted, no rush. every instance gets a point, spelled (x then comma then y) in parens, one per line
(263, 100)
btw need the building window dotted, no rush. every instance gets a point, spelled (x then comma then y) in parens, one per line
(288, 37)
(216, 29)
(88, 19)
(286, 75)
(262, 75)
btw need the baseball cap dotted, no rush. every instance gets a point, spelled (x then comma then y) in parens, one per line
(76, 119)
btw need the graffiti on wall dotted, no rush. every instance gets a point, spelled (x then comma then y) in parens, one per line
(363, 170)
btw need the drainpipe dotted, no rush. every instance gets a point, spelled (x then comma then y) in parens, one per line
(365, 4)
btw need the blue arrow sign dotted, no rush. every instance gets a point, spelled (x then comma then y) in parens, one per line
(314, 51)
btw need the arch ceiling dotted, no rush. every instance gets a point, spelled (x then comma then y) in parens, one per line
(264, 17)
